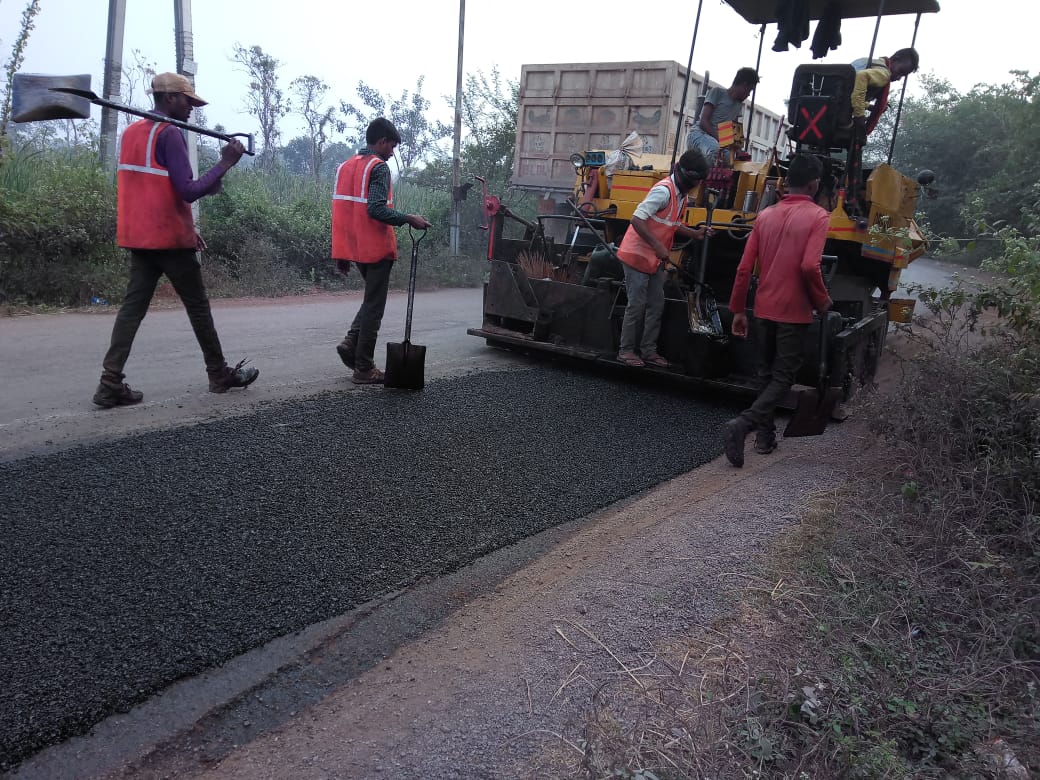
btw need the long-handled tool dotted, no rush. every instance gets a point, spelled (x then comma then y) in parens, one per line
(701, 305)
(36, 97)
(703, 308)
(816, 405)
(405, 360)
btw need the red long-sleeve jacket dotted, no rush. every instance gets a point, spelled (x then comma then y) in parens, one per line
(787, 244)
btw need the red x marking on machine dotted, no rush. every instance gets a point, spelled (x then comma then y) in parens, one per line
(812, 123)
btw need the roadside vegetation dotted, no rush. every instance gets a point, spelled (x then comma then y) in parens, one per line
(268, 232)
(896, 632)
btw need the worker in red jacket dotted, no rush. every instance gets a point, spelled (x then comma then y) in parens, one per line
(156, 188)
(786, 246)
(363, 222)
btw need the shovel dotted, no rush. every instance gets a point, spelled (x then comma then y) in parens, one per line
(36, 97)
(816, 404)
(404, 361)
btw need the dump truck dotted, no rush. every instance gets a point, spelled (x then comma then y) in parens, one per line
(554, 284)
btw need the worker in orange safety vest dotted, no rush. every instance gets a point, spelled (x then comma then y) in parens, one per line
(363, 221)
(644, 251)
(156, 187)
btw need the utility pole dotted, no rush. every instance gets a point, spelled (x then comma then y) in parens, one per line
(456, 160)
(185, 45)
(114, 73)
(113, 81)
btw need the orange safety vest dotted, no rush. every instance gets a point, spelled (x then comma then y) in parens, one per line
(355, 235)
(636, 252)
(150, 213)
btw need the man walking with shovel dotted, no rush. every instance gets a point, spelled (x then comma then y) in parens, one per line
(155, 191)
(363, 222)
(786, 244)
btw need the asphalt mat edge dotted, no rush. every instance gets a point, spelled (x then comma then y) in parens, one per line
(127, 565)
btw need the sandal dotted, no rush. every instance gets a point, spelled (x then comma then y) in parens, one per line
(371, 377)
(631, 359)
(657, 360)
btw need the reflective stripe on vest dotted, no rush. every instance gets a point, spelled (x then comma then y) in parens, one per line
(635, 251)
(150, 214)
(355, 235)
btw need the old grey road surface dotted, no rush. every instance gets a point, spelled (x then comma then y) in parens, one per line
(52, 362)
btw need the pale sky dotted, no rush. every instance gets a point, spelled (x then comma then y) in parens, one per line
(390, 46)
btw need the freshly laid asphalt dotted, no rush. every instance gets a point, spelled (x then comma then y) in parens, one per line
(127, 565)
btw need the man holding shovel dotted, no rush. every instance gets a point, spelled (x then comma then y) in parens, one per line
(154, 221)
(786, 244)
(363, 222)
(645, 250)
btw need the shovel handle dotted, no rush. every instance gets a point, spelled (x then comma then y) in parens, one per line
(99, 101)
(411, 281)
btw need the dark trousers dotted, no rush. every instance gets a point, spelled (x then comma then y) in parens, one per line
(364, 330)
(182, 268)
(780, 355)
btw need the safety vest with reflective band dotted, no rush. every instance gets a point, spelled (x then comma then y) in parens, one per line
(355, 235)
(151, 215)
(636, 252)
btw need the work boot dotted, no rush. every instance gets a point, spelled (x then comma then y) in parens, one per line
(372, 376)
(765, 441)
(109, 394)
(736, 430)
(347, 349)
(227, 378)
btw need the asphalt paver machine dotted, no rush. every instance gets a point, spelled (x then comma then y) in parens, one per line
(567, 297)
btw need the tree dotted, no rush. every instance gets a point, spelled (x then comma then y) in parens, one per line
(489, 114)
(265, 99)
(419, 136)
(12, 65)
(136, 81)
(320, 119)
(296, 155)
(490, 107)
(985, 143)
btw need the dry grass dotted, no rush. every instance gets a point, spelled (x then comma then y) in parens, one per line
(895, 633)
(537, 267)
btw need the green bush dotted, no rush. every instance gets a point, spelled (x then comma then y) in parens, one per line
(268, 233)
(57, 229)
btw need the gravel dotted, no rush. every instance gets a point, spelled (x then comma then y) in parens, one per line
(127, 565)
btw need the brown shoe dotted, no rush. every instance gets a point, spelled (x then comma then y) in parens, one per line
(630, 359)
(108, 395)
(227, 377)
(372, 376)
(765, 442)
(734, 433)
(346, 350)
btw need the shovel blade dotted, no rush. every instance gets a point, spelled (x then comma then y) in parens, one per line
(404, 365)
(813, 412)
(33, 101)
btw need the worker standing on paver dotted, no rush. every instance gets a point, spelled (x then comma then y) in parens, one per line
(156, 188)
(720, 106)
(786, 245)
(644, 252)
(874, 78)
(363, 222)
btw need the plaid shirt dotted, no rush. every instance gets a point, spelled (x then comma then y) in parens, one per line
(378, 190)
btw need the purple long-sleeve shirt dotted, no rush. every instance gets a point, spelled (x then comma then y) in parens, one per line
(171, 152)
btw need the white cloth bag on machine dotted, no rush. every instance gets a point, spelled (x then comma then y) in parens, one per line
(621, 159)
